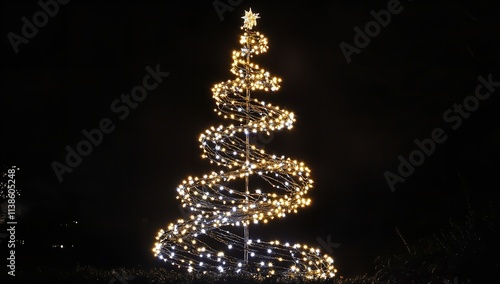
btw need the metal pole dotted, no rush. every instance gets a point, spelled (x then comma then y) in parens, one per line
(246, 232)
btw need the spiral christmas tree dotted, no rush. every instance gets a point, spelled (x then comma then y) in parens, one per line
(215, 237)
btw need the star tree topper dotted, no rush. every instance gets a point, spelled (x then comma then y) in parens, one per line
(250, 19)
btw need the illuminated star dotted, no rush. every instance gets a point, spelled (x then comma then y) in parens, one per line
(250, 19)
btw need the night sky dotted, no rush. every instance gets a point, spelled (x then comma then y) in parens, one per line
(353, 119)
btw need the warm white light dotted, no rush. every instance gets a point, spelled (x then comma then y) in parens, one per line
(202, 241)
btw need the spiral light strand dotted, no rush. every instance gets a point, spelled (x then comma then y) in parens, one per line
(203, 242)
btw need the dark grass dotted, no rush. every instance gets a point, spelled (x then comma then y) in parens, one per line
(466, 251)
(88, 274)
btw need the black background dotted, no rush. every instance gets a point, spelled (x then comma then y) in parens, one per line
(353, 120)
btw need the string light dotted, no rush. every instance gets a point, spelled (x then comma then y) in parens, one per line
(203, 242)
